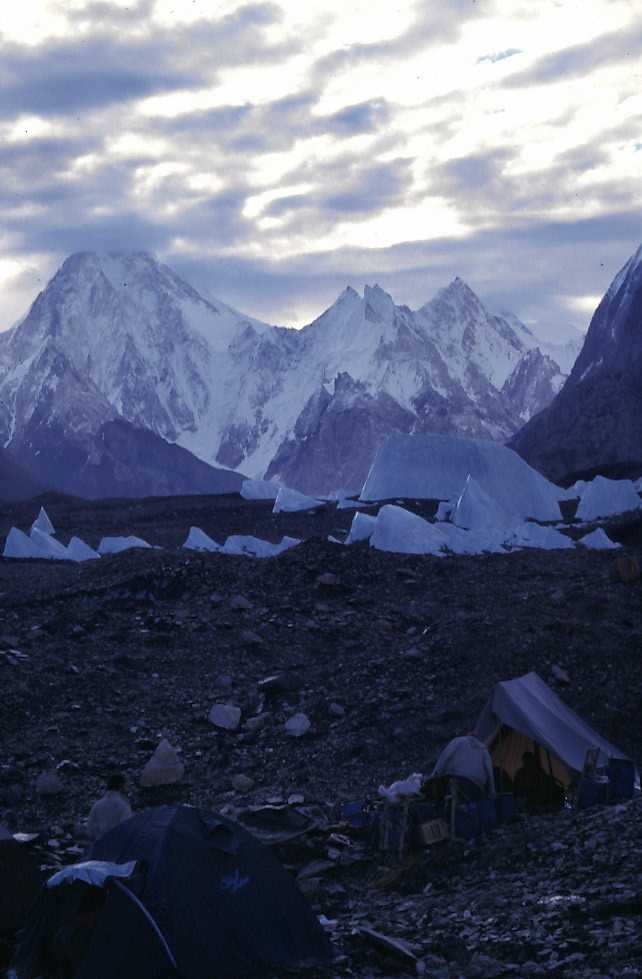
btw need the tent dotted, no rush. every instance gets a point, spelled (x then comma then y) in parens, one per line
(182, 893)
(19, 883)
(467, 757)
(524, 714)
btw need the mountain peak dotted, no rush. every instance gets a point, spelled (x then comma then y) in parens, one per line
(378, 300)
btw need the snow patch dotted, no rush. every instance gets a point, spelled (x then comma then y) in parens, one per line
(598, 540)
(291, 501)
(604, 497)
(198, 540)
(436, 467)
(114, 545)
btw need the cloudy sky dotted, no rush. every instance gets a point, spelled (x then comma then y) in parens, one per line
(273, 152)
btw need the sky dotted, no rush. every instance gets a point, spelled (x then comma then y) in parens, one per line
(274, 152)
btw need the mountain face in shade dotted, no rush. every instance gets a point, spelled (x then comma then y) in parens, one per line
(533, 383)
(15, 482)
(121, 338)
(595, 422)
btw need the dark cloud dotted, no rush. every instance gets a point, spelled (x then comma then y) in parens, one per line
(580, 59)
(277, 125)
(533, 269)
(353, 191)
(104, 67)
(484, 182)
(499, 55)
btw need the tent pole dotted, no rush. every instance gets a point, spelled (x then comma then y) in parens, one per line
(152, 921)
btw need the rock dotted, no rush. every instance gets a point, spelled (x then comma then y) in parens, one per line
(240, 604)
(328, 580)
(251, 638)
(298, 725)
(163, 768)
(242, 783)
(280, 683)
(49, 783)
(216, 598)
(336, 710)
(226, 716)
(627, 569)
(258, 722)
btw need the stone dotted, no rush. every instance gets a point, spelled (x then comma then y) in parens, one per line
(242, 783)
(298, 725)
(48, 784)
(328, 580)
(240, 604)
(164, 767)
(627, 569)
(225, 716)
(251, 638)
(258, 722)
(336, 710)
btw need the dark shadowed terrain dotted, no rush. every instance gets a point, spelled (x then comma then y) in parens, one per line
(388, 655)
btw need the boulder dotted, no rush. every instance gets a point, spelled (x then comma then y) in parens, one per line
(298, 725)
(49, 783)
(164, 767)
(226, 716)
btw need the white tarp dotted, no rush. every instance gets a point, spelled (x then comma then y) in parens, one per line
(289, 501)
(77, 550)
(114, 545)
(43, 523)
(94, 872)
(255, 547)
(436, 466)
(18, 545)
(198, 540)
(259, 489)
(604, 497)
(467, 757)
(598, 540)
(529, 706)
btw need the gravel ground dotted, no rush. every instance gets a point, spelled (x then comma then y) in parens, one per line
(388, 655)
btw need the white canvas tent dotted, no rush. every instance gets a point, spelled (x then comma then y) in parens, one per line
(467, 757)
(524, 714)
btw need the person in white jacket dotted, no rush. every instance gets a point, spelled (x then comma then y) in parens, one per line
(110, 810)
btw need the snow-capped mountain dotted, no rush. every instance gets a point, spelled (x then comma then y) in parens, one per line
(121, 337)
(594, 422)
(533, 383)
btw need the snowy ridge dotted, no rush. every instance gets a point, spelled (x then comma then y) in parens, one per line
(122, 335)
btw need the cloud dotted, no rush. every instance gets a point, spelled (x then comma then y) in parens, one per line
(432, 25)
(576, 61)
(105, 67)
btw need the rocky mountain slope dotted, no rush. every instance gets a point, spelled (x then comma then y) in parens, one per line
(379, 650)
(15, 482)
(120, 336)
(594, 422)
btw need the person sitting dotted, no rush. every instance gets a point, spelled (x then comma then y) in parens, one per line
(110, 810)
(540, 789)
